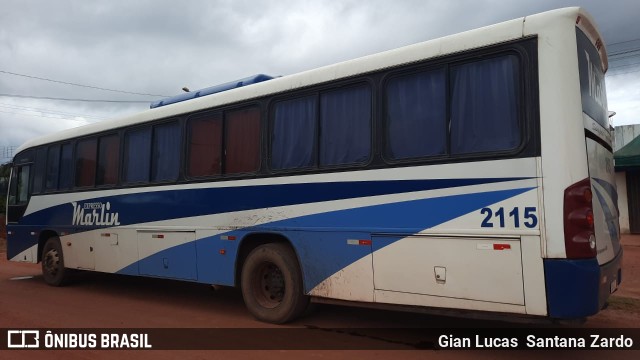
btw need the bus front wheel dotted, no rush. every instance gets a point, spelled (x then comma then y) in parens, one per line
(272, 284)
(53, 270)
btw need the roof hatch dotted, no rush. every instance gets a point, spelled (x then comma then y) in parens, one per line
(211, 90)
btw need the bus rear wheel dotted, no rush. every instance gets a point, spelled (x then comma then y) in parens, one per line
(271, 284)
(53, 270)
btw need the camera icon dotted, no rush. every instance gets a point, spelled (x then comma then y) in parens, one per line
(23, 339)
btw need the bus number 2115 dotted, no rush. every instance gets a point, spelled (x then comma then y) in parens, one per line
(518, 216)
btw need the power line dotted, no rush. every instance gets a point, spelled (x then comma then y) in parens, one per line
(81, 85)
(624, 57)
(624, 52)
(623, 65)
(47, 111)
(42, 116)
(81, 100)
(623, 42)
(623, 73)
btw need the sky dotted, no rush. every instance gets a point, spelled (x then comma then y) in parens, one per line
(151, 49)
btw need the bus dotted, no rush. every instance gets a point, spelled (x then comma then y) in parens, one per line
(470, 173)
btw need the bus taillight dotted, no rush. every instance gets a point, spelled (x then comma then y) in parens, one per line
(579, 235)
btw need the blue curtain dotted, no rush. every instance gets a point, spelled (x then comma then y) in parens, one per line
(484, 105)
(66, 161)
(166, 152)
(38, 171)
(53, 166)
(108, 160)
(345, 126)
(138, 155)
(416, 115)
(294, 134)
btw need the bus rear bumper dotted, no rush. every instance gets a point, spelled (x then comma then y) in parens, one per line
(580, 288)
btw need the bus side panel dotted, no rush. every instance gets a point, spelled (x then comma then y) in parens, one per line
(167, 254)
(22, 246)
(455, 267)
(335, 264)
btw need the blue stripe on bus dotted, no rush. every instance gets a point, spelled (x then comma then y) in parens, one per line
(319, 241)
(173, 204)
(609, 188)
(610, 220)
(610, 217)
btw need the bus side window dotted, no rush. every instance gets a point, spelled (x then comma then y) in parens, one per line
(137, 155)
(294, 134)
(242, 140)
(23, 184)
(19, 187)
(85, 160)
(165, 153)
(485, 105)
(108, 159)
(416, 113)
(39, 170)
(13, 186)
(53, 164)
(66, 163)
(345, 126)
(205, 145)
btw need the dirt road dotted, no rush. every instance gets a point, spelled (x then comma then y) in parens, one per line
(108, 301)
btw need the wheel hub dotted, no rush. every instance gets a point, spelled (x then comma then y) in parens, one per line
(51, 262)
(271, 285)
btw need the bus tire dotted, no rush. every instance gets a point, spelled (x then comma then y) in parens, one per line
(271, 284)
(53, 270)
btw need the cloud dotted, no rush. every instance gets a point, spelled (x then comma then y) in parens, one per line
(624, 99)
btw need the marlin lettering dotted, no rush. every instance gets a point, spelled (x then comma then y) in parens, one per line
(98, 214)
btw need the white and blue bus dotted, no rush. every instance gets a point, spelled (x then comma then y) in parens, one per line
(471, 173)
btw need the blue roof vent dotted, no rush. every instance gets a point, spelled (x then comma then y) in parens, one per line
(211, 90)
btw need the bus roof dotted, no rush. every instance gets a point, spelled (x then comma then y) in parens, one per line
(485, 36)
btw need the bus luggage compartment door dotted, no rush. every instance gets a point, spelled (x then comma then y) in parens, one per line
(472, 268)
(167, 254)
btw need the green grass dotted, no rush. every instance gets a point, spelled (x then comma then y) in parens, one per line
(624, 304)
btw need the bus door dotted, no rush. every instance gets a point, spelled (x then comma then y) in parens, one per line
(19, 238)
(19, 187)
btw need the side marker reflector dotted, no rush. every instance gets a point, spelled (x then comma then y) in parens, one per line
(358, 242)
